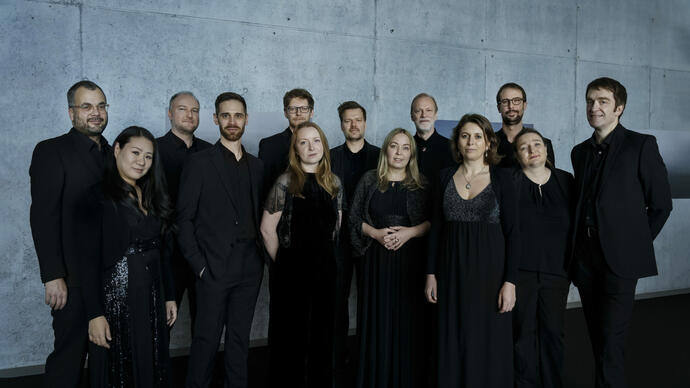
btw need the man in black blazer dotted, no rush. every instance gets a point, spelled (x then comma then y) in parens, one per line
(176, 147)
(511, 101)
(298, 107)
(624, 199)
(62, 171)
(218, 217)
(349, 161)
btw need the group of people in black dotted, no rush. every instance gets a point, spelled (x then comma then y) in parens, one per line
(463, 248)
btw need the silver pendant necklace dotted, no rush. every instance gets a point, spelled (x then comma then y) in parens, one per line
(469, 185)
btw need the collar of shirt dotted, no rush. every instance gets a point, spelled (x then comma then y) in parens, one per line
(179, 143)
(86, 143)
(608, 140)
(230, 155)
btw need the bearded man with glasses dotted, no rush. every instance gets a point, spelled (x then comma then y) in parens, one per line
(62, 171)
(511, 101)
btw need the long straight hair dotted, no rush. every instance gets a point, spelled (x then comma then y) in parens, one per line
(324, 176)
(413, 180)
(154, 196)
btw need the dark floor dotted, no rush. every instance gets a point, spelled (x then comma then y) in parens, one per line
(658, 350)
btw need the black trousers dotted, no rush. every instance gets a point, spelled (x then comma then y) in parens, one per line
(226, 300)
(346, 266)
(65, 364)
(538, 329)
(607, 301)
(184, 279)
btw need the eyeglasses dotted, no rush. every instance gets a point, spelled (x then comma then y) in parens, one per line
(89, 107)
(301, 109)
(517, 101)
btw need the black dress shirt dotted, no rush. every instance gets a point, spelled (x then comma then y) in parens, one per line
(174, 154)
(433, 154)
(507, 150)
(244, 227)
(595, 160)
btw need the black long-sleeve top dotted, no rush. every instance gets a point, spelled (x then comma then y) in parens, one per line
(174, 153)
(546, 221)
(504, 188)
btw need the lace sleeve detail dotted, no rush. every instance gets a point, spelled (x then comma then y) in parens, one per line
(275, 201)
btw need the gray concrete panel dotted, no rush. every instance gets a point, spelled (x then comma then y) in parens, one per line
(671, 248)
(452, 22)
(671, 35)
(616, 31)
(258, 62)
(532, 26)
(669, 97)
(550, 86)
(636, 82)
(455, 77)
(339, 16)
(40, 61)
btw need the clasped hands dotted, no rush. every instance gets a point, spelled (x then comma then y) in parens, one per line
(394, 237)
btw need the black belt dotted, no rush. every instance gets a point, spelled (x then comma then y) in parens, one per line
(139, 246)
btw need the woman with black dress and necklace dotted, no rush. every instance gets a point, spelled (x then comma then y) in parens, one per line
(299, 226)
(472, 261)
(129, 296)
(546, 204)
(389, 213)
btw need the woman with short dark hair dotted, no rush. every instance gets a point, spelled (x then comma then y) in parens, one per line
(128, 290)
(546, 204)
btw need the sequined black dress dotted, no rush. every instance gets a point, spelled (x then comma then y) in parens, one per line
(475, 341)
(392, 300)
(133, 303)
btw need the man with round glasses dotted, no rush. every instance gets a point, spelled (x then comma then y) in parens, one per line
(298, 107)
(511, 101)
(62, 171)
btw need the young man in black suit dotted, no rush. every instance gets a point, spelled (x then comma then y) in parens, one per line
(511, 101)
(298, 107)
(176, 147)
(624, 199)
(349, 161)
(62, 171)
(218, 217)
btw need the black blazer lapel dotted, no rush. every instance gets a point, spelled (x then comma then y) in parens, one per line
(256, 180)
(223, 173)
(94, 170)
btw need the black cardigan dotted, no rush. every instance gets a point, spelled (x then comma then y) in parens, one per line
(109, 229)
(504, 188)
(417, 209)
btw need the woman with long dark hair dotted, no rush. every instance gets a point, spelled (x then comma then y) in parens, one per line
(300, 224)
(546, 205)
(474, 248)
(129, 294)
(389, 213)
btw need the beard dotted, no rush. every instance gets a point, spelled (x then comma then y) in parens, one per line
(232, 135)
(353, 136)
(86, 128)
(508, 121)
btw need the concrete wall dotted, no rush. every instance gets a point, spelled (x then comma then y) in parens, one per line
(378, 52)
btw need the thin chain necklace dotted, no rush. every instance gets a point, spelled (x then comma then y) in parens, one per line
(469, 184)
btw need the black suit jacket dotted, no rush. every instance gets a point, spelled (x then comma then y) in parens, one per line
(62, 171)
(273, 151)
(633, 201)
(206, 211)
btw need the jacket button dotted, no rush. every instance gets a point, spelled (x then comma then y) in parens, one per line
(237, 222)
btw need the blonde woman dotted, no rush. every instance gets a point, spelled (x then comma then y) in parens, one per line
(388, 215)
(300, 223)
